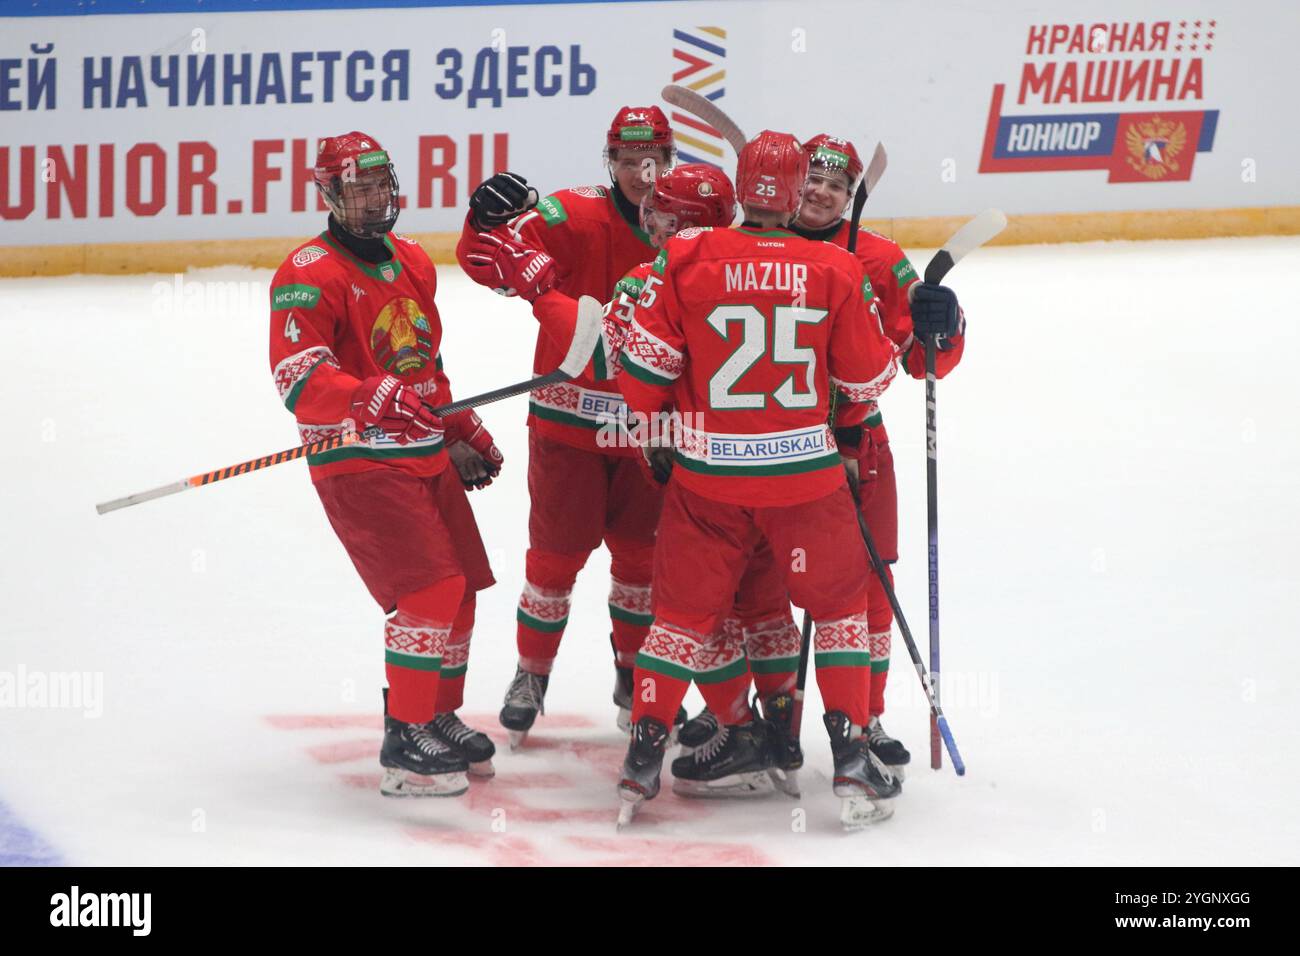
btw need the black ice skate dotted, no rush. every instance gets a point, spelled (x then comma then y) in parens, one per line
(418, 764)
(891, 752)
(787, 755)
(645, 758)
(623, 697)
(697, 731)
(476, 747)
(732, 763)
(865, 784)
(524, 701)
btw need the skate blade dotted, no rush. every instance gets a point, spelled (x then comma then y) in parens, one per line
(629, 801)
(517, 738)
(787, 781)
(482, 769)
(743, 786)
(624, 719)
(859, 812)
(402, 783)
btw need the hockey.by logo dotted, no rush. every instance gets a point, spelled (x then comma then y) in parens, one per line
(102, 909)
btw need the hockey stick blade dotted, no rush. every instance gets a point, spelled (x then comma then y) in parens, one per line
(707, 110)
(585, 337)
(875, 168)
(966, 239)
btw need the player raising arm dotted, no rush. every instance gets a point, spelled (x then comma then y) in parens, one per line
(583, 492)
(683, 196)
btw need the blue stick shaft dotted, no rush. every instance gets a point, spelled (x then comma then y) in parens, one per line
(932, 526)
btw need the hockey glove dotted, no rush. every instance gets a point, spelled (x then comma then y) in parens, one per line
(383, 401)
(512, 268)
(472, 450)
(500, 199)
(935, 312)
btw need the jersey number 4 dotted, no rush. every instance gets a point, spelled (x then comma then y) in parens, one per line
(754, 346)
(291, 330)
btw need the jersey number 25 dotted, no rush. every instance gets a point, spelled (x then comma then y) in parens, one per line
(754, 346)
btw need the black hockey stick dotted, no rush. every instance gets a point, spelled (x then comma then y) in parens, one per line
(585, 338)
(931, 693)
(972, 235)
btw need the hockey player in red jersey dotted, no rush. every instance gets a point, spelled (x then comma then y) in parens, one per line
(683, 197)
(582, 492)
(744, 332)
(355, 342)
(910, 310)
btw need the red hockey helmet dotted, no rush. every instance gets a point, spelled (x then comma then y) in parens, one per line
(639, 127)
(355, 176)
(696, 194)
(832, 153)
(771, 172)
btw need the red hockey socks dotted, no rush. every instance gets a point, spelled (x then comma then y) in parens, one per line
(455, 659)
(880, 621)
(630, 615)
(722, 676)
(843, 663)
(544, 606)
(415, 639)
(773, 650)
(664, 668)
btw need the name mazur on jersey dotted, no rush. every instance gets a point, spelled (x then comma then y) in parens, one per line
(767, 276)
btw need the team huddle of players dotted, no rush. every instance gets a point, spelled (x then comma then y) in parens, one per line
(717, 443)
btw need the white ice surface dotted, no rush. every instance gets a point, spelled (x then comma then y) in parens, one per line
(1119, 472)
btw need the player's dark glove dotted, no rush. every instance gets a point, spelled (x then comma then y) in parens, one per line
(660, 461)
(500, 199)
(472, 450)
(935, 312)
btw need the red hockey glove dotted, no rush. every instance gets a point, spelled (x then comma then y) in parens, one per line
(472, 450)
(513, 268)
(383, 401)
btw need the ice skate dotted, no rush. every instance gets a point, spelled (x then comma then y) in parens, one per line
(416, 763)
(640, 777)
(732, 763)
(866, 785)
(476, 747)
(623, 697)
(697, 731)
(787, 755)
(890, 751)
(524, 701)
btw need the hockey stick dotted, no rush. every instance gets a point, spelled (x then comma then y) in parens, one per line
(970, 236)
(931, 692)
(585, 338)
(708, 111)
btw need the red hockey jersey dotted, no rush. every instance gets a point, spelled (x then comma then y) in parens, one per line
(336, 320)
(745, 332)
(593, 246)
